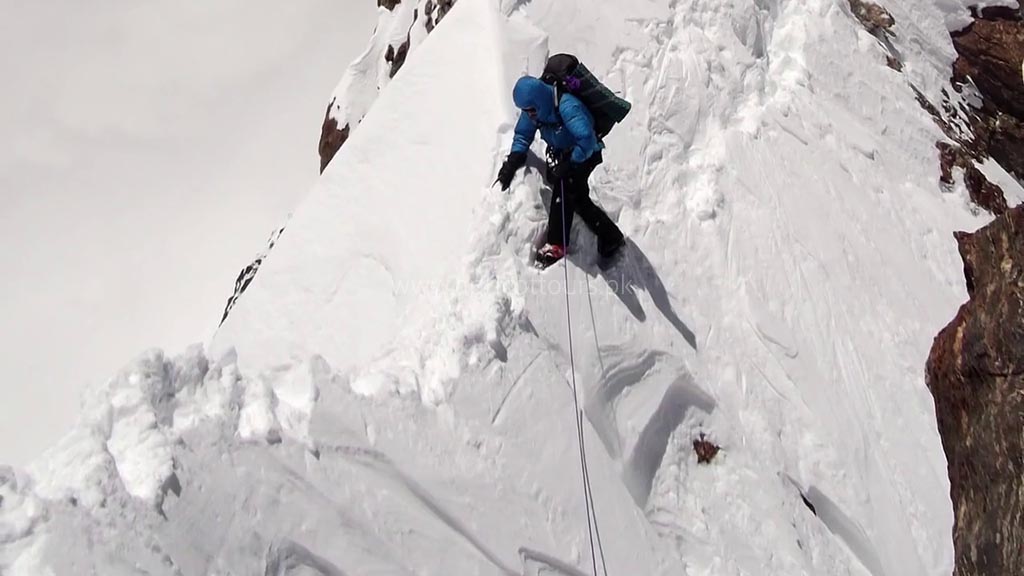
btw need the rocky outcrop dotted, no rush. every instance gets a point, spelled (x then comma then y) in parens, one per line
(976, 367)
(982, 192)
(705, 449)
(874, 18)
(878, 22)
(247, 274)
(990, 53)
(436, 11)
(976, 374)
(986, 121)
(331, 138)
(395, 57)
(394, 45)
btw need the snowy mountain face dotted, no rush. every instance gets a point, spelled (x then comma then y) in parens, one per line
(358, 89)
(394, 392)
(402, 27)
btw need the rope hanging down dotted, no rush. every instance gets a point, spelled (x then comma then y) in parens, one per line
(588, 495)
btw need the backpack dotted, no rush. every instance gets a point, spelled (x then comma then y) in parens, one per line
(567, 74)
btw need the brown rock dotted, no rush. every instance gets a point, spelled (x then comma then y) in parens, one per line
(950, 156)
(396, 58)
(990, 54)
(435, 12)
(1006, 142)
(874, 18)
(331, 138)
(705, 449)
(878, 22)
(443, 6)
(991, 51)
(976, 374)
(983, 192)
(428, 9)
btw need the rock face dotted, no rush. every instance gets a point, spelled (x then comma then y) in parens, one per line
(990, 54)
(976, 373)
(248, 273)
(879, 23)
(975, 370)
(395, 57)
(874, 18)
(988, 69)
(983, 192)
(987, 120)
(331, 138)
(436, 11)
(991, 50)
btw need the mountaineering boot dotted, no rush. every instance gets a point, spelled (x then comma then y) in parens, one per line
(608, 255)
(548, 255)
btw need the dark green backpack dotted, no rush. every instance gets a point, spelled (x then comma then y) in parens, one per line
(568, 75)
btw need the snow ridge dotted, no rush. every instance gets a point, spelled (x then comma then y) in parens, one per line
(392, 395)
(129, 430)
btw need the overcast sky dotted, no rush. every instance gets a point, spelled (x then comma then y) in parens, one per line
(148, 151)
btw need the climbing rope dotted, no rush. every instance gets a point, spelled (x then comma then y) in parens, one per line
(588, 495)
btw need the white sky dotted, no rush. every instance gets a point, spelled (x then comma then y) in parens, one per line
(148, 151)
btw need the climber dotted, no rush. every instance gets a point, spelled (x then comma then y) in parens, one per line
(573, 151)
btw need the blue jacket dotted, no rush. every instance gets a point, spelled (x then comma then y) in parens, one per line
(570, 126)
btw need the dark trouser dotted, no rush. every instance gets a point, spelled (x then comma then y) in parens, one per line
(577, 199)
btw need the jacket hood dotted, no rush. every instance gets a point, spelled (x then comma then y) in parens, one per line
(530, 92)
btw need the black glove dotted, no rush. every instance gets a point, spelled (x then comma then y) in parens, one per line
(562, 170)
(514, 161)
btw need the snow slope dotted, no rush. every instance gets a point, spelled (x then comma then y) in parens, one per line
(150, 149)
(392, 395)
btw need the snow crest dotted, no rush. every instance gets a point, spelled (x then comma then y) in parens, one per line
(129, 431)
(401, 403)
